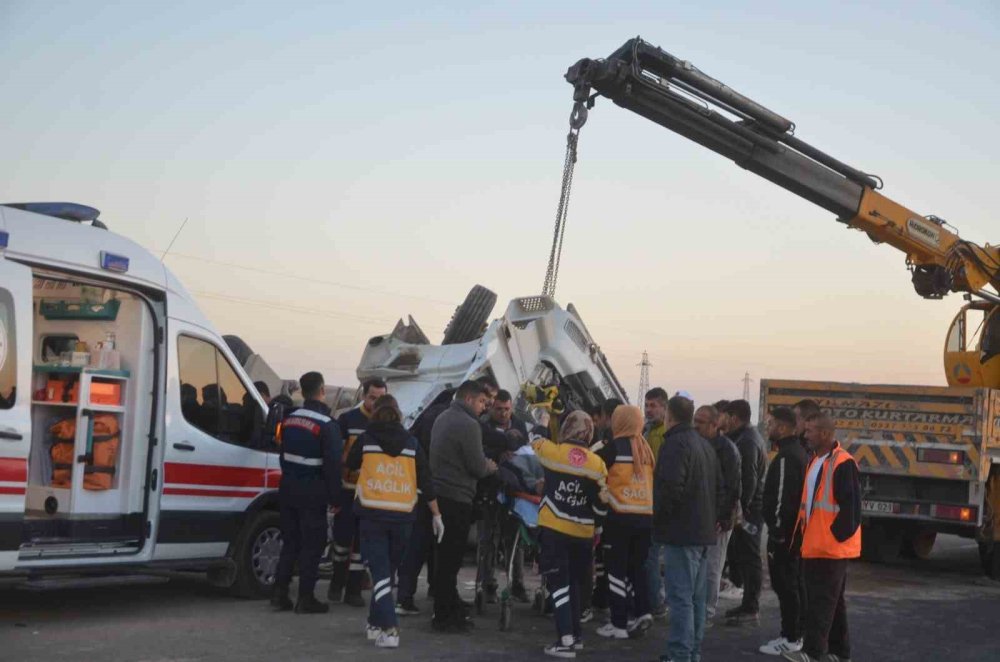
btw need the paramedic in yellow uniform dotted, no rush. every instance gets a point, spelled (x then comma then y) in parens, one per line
(574, 499)
(392, 471)
(626, 533)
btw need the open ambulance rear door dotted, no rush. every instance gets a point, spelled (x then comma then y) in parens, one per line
(15, 403)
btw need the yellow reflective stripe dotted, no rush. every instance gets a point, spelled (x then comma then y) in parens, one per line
(618, 505)
(401, 506)
(553, 465)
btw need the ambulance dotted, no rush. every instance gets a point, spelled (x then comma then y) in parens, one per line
(131, 439)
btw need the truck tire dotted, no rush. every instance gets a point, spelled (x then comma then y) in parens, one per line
(918, 544)
(880, 542)
(990, 559)
(469, 319)
(256, 555)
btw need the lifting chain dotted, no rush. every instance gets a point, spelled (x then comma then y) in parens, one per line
(576, 121)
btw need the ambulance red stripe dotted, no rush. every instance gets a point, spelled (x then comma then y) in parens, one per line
(213, 475)
(13, 470)
(187, 491)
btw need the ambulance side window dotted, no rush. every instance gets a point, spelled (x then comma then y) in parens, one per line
(8, 353)
(213, 398)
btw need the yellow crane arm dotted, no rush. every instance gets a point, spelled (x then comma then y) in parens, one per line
(675, 94)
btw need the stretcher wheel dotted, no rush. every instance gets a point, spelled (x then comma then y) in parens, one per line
(506, 615)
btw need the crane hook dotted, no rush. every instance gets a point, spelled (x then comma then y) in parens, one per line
(579, 116)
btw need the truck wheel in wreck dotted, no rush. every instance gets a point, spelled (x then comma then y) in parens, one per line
(470, 318)
(256, 555)
(918, 544)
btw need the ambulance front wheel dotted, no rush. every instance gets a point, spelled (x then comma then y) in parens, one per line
(256, 555)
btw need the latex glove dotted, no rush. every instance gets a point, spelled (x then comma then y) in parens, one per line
(438, 525)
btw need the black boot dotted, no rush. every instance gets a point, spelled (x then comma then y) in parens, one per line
(279, 598)
(336, 591)
(308, 604)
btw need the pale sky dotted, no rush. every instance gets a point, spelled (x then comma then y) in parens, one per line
(385, 157)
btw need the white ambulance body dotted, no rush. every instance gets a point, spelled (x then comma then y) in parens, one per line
(189, 483)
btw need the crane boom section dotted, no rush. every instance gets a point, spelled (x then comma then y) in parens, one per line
(675, 94)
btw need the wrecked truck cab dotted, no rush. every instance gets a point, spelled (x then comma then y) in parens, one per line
(535, 341)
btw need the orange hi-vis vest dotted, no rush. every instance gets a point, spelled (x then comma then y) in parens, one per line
(630, 487)
(386, 482)
(818, 541)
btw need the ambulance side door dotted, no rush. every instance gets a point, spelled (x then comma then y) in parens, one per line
(15, 403)
(213, 465)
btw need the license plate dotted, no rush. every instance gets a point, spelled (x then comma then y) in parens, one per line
(887, 507)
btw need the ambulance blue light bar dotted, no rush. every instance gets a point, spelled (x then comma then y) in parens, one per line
(4, 239)
(112, 262)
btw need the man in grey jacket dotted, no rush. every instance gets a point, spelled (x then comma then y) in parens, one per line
(688, 504)
(706, 422)
(457, 464)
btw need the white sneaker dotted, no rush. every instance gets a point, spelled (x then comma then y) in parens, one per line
(586, 616)
(387, 639)
(560, 650)
(372, 632)
(638, 626)
(780, 646)
(609, 631)
(731, 593)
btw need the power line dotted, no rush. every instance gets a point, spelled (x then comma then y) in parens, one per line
(309, 279)
(297, 309)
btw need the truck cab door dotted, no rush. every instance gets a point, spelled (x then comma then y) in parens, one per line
(15, 404)
(971, 355)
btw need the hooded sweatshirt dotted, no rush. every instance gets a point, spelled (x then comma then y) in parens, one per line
(392, 438)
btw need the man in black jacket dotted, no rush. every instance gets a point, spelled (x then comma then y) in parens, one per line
(688, 496)
(503, 433)
(782, 496)
(311, 448)
(706, 421)
(746, 535)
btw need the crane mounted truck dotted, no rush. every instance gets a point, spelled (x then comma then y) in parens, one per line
(929, 456)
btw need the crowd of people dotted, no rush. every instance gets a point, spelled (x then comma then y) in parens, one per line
(641, 514)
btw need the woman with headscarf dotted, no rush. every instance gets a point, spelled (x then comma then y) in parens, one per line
(626, 533)
(574, 499)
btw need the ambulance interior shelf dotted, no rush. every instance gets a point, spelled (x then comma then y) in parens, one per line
(78, 414)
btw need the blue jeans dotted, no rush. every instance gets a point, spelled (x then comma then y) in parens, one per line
(382, 546)
(653, 576)
(687, 586)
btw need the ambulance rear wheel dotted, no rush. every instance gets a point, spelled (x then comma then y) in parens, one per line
(256, 555)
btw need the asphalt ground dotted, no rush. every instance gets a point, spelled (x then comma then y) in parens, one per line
(938, 609)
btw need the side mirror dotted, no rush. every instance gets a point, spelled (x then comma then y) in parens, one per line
(272, 425)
